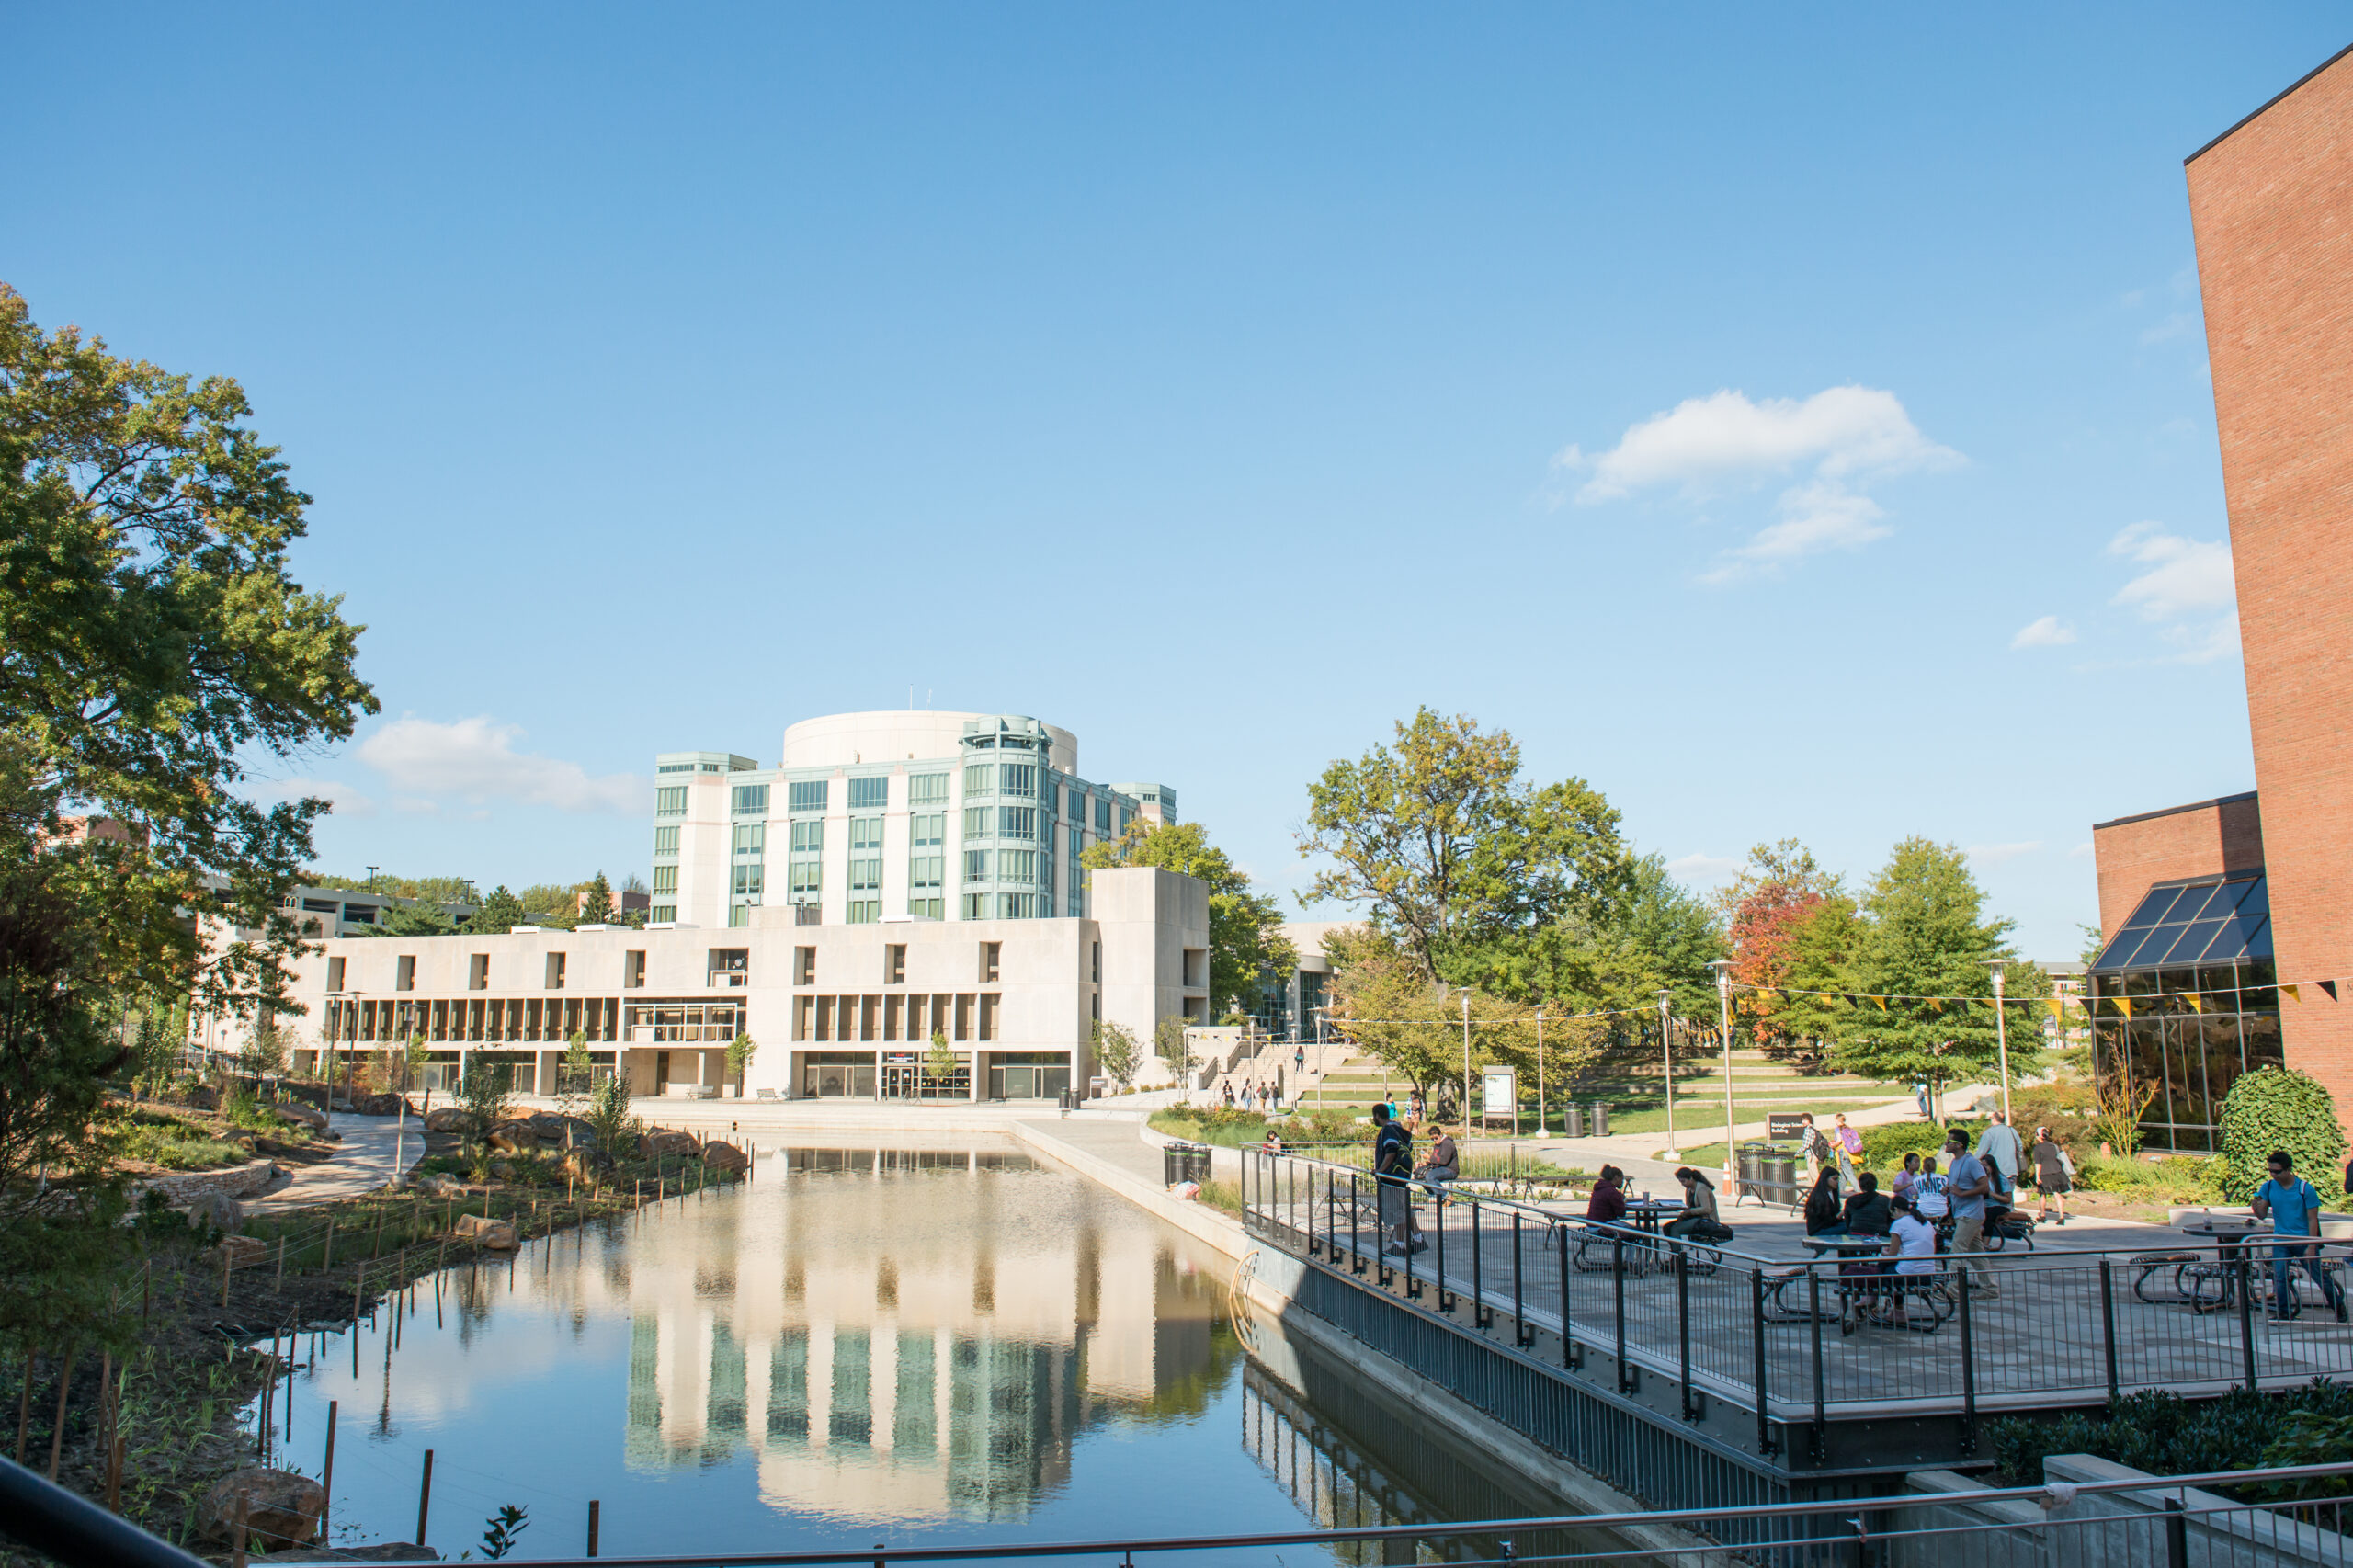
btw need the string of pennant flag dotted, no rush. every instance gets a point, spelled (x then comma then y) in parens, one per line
(2057, 1007)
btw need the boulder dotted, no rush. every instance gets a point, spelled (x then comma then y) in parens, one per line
(673, 1143)
(214, 1211)
(587, 1164)
(302, 1115)
(446, 1119)
(496, 1234)
(725, 1158)
(436, 1186)
(281, 1508)
(244, 1251)
(514, 1137)
(380, 1105)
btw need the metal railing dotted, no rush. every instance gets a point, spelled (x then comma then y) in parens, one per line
(2128, 1523)
(1800, 1340)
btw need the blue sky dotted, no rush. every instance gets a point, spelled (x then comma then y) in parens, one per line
(1794, 422)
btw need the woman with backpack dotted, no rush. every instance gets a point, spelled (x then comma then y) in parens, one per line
(1698, 1221)
(2054, 1175)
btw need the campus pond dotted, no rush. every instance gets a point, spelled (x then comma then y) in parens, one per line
(953, 1344)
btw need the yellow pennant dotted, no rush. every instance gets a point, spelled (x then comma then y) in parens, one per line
(1937, 1003)
(2125, 1004)
(1883, 1003)
(2197, 1003)
(2057, 1007)
(2293, 994)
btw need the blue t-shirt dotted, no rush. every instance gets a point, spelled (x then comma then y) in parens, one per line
(1967, 1170)
(2292, 1206)
(1393, 1154)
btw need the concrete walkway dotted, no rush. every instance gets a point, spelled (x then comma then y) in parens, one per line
(372, 1155)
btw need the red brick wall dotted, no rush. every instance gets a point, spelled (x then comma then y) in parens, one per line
(2272, 204)
(2160, 846)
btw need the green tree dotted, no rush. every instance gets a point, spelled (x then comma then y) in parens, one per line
(154, 647)
(1922, 934)
(484, 1093)
(1247, 948)
(500, 913)
(1452, 851)
(2279, 1108)
(414, 920)
(597, 909)
(609, 1112)
(1116, 1050)
(1656, 935)
(740, 1051)
(941, 1062)
(413, 1060)
(554, 904)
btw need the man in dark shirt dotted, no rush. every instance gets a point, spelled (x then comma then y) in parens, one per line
(1393, 1163)
(1868, 1212)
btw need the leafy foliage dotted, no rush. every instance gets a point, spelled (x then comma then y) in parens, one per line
(609, 1112)
(940, 1061)
(740, 1051)
(500, 913)
(414, 920)
(1116, 1050)
(2165, 1435)
(502, 1529)
(2279, 1108)
(1451, 849)
(597, 909)
(1247, 943)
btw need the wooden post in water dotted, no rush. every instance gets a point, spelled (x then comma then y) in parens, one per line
(280, 1283)
(64, 1387)
(237, 1535)
(423, 1496)
(329, 1261)
(593, 1506)
(326, 1477)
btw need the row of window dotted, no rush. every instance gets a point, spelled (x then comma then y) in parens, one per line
(892, 1016)
(872, 794)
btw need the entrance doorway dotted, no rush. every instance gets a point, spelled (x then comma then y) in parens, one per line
(1018, 1080)
(914, 1081)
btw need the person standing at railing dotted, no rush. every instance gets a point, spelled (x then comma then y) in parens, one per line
(1393, 1168)
(2292, 1206)
(1969, 1184)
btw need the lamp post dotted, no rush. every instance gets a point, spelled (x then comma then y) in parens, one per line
(1667, 1058)
(1540, 1072)
(2002, 1037)
(1466, 1053)
(1723, 1011)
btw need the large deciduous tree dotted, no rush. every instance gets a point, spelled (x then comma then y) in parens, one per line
(1788, 922)
(1247, 946)
(1450, 850)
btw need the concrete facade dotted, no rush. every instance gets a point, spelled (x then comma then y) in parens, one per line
(2272, 202)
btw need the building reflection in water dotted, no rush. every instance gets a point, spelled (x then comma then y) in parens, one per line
(913, 1354)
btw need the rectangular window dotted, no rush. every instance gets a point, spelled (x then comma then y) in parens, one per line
(750, 837)
(666, 878)
(634, 969)
(555, 972)
(1054, 800)
(1018, 778)
(927, 789)
(1126, 816)
(478, 971)
(1102, 816)
(748, 879)
(863, 910)
(662, 915)
(865, 876)
(670, 800)
(988, 1014)
(978, 822)
(404, 972)
(804, 966)
(1017, 821)
(334, 974)
(980, 779)
(665, 840)
(808, 876)
(925, 908)
(751, 800)
(992, 958)
(868, 794)
(1098, 963)
(808, 837)
(926, 829)
(739, 913)
(1015, 906)
(925, 872)
(865, 833)
(976, 906)
(808, 796)
(977, 865)
(894, 964)
(1016, 864)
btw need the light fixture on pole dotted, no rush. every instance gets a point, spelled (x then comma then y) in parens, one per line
(1723, 1008)
(1667, 1057)
(1466, 1052)
(1540, 1074)
(2001, 1036)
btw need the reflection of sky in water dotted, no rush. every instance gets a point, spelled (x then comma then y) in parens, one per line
(870, 1348)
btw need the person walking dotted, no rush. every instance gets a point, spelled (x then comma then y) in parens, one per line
(1816, 1146)
(2292, 1206)
(2054, 1175)
(1999, 1146)
(1848, 1145)
(1392, 1164)
(1969, 1183)
(1298, 1062)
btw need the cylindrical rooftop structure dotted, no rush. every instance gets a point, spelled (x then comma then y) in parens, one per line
(899, 735)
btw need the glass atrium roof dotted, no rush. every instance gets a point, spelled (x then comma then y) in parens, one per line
(2208, 921)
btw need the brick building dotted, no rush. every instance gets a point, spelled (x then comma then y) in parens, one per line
(2206, 907)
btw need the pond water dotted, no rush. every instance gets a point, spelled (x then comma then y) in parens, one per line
(861, 1346)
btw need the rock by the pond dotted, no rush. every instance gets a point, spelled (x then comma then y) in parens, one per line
(445, 1119)
(281, 1508)
(553, 1128)
(215, 1210)
(673, 1143)
(379, 1105)
(309, 1116)
(586, 1165)
(724, 1157)
(244, 1251)
(433, 1184)
(513, 1137)
(495, 1234)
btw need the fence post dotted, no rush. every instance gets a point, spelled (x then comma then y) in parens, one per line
(1438, 1223)
(1568, 1346)
(1479, 1316)
(1618, 1285)
(423, 1496)
(594, 1506)
(1756, 1339)
(2177, 1535)
(1682, 1326)
(1355, 1201)
(1519, 1338)
(2246, 1311)
(2107, 1321)
(1968, 1370)
(1813, 1321)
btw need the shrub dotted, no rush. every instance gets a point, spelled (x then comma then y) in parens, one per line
(2279, 1108)
(1885, 1147)
(2165, 1434)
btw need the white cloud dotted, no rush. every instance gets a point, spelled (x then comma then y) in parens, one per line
(342, 799)
(476, 759)
(2047, 632)
(1848, 436)
(1994, 854)
(2080, 852)
(2189, 582)
(1701, 868)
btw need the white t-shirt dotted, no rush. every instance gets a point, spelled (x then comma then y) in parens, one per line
(1916, 1244)
(1928, 1196)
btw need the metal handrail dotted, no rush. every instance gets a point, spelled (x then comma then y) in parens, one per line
(76, 1531)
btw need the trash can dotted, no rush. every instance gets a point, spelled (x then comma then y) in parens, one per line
(1599, 1110)
(1778, 1174)
(1750, 1170)
(1572, 1121)
(1185, 1161)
